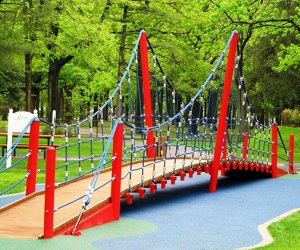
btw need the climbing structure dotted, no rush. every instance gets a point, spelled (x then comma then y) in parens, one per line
(144, 134)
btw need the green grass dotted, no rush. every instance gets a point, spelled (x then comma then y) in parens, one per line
(286, 233)
(3, 125)
(285, 132)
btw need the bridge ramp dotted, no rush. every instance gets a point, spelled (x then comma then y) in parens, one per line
(25, 218)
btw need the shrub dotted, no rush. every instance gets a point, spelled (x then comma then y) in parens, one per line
(286, 116)
(295, 118)
(290, 117)
(46, 130)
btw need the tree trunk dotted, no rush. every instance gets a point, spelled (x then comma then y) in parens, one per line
(35, 98)
(106, 11)
(61, 103)
(105, 111)
(96, 118)
(28, 55)
(122, 55)
(53, 88)
(195, 114)
(162, 109)
(67, 106)
(42, 109)
(28, 82)
(154, 111)
(170, 102)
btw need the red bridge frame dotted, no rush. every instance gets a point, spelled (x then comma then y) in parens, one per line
(111, 211)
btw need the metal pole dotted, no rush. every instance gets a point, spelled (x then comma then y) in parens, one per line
(33, 158)
(117, 171)
(49, 192)
(291, 155)
(274, 150)
(147, 94)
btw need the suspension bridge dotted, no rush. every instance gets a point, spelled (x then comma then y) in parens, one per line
(144, 135)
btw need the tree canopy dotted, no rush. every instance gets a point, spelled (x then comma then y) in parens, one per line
(67, 55)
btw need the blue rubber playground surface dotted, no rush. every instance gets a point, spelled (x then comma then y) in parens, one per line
(187, 216)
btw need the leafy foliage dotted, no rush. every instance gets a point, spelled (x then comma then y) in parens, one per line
(290, 117)
(97, 39)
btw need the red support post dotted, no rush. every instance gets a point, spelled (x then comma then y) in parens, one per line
(33, 158)
(163, 183)
(223, 113)
(141, 192)
(274, 150)
(245, 146)
(147, 94)
(152, 187)
(191, 173)
(49, 192)
(291, 155)
(117, 171)
(172, 178)
(128, 198)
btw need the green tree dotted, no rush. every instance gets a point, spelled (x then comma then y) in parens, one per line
(268, 35)
(79, 51)
(11, 52)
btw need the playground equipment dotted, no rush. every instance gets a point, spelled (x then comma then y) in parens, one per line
(153, 137)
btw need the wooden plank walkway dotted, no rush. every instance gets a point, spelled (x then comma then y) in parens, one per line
(25, 218)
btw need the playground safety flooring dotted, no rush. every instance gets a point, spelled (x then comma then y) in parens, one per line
(186, 216)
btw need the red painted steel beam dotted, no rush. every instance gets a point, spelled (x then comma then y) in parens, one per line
(274, 150)
(117, 172)
(147, 94)
(33, 158)
(223, 113)
(291, 154)
(49, 192)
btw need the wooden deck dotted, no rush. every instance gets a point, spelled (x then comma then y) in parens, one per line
(25, 218)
